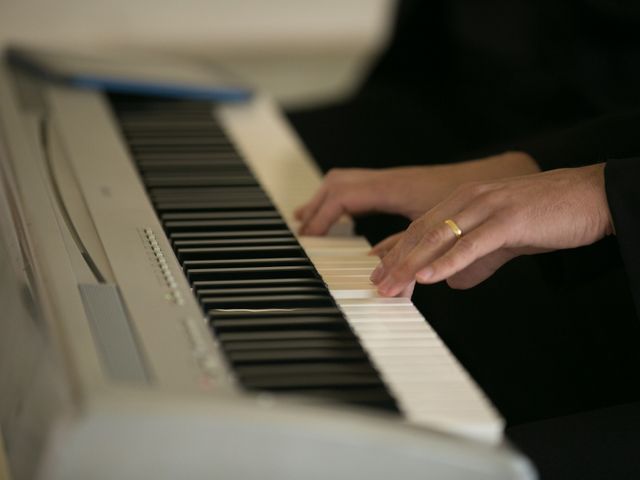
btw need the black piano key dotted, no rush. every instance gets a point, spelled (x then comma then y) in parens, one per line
(180, 149)
(176, 141)
(228, 234)
(198, 130)
(190, 158)
(266, 301)
(264, 252)
(186, 169)
(277, 370)
(293, 355)
(280, 313)
(207, 180)
(212, 205)
(197, 274)
(306, 381)
(207, 193)
(220, 215)
(190, 265)
(258, 283)
(214, 292)
(253, 324)
(366, 396)
(290, 344)
(228, 242)
(131, 124)
(172, 161)
(284, 335)
(223, 225)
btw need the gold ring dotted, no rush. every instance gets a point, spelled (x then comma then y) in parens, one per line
(454, 227)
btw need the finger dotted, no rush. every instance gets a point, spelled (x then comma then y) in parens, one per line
(447, 209)
(434, 242)
(308, 211)
(326, 215)
(408, 290)
(480, 270)
(302, 212)
(406, 241)
(382, 247)
(485, 239)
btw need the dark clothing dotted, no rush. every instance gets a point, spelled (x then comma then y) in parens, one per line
(623, 193)
(614, 139)
(464, 78)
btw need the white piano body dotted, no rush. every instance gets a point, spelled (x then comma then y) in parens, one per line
(117, 375)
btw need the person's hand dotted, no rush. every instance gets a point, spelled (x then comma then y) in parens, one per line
(408, 191)
(499, 220)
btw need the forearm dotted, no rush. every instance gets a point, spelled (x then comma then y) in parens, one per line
(595, 141)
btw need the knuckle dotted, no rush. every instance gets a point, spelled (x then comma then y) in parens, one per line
(410, 266)
(473, 189)
(466, 246)
(432, 237)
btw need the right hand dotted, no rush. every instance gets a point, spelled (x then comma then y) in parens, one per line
(407, 191)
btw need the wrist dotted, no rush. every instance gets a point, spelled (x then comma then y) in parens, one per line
(597, 177)
(507, 164)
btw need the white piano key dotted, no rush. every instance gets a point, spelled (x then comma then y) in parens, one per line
(311, 243)
(353, 293)
(356, 262)
(339, 272)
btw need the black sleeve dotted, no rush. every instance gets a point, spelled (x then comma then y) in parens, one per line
(622, 181)
(615, 136)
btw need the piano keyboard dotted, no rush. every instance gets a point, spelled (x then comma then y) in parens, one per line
(296, 316)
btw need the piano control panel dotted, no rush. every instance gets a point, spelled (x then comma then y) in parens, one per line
(165, 275)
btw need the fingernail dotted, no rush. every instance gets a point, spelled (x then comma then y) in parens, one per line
(377, 274)
(425, 274)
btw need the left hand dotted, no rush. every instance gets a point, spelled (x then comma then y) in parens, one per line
(500, 220)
